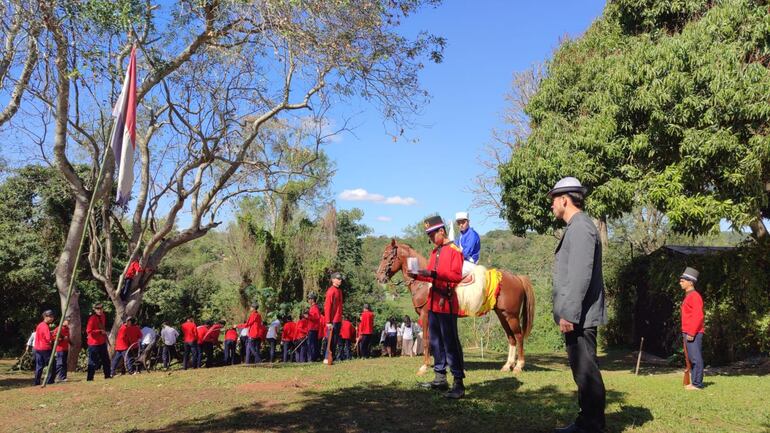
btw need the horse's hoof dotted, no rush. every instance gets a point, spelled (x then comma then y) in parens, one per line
(506, 368)
(422, 370)
(516, 370)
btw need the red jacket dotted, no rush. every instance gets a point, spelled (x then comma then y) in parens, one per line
(253, 323)
(287, 333)
(322, 328)
(43, 337)
(300, 329)
(333, 305)
(64, 339)
(189, 332)
(346, 330)
(212, 335)
(262, 332)
(367, 323)
(200, 333)
(692, 314)
(133, 269)
(448, 275)
(231, 335)
(96, 324)
(314, 318)
(127, 335)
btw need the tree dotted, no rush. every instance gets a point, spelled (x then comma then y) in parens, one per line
(20, 55)
(659, 104)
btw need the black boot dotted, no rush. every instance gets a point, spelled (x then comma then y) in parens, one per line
(457, 391)
(439, 382)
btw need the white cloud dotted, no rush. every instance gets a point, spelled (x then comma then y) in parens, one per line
(360, 194)
(385, 219)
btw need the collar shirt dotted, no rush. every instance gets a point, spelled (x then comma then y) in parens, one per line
(470, 244)
(169, 335)
(272, 330)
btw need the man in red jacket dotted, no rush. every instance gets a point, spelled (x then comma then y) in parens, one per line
(252, 324)
(692, 326)
(96, 332)
(314, 325)
(300, 338)
(128, 337)
(287, 338)
(133, 270)
(347, 333)
(365, 329)
(62, 349)
(190, 341)
(231, 340)
(444, 272)
(43, 347)
(333, 312)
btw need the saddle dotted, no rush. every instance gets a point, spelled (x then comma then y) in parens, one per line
(471, 292)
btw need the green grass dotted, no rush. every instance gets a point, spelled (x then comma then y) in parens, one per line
(379, 395)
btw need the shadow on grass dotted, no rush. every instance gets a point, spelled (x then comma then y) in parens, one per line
(15, 382)
(491, 406)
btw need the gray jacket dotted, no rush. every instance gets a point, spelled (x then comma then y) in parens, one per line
(578, 287)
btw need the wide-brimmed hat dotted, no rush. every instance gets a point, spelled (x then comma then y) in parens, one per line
(690, 274)
(565, 185)
(434, 223)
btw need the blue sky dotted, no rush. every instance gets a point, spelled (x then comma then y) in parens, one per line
(487, 41)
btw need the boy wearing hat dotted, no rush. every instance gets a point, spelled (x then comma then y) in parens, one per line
(97, 343)
(578, 301)
(43, 347)
(444, 272)
(692, 326)
(333, 312)
(469, 242)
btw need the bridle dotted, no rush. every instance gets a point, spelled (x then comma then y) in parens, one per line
(393, 256)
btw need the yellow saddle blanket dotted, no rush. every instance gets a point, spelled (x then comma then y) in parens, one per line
(478, 296)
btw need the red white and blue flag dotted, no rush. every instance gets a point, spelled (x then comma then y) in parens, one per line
(123, 140)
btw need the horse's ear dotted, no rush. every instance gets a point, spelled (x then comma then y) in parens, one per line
(393, 242)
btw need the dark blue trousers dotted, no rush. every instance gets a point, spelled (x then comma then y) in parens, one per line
(252, 351)
(41, 361)
(344, 349)
(98, 356)
(229, 350)
(61, 364)
(335, 340)
(312, 345)
(445, 343)
(119, 356)
(191, 351)
(286, 350)
(366, 341)
(271, 342)
(695, 353)
(168, 349)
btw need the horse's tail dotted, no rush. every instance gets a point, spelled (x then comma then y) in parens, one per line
(528, 307)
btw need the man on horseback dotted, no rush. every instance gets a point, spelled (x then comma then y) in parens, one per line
(444, 275)
(469, 243)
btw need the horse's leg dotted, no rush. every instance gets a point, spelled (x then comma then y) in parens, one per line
(425, 341)
(520, 347)
(511, 341)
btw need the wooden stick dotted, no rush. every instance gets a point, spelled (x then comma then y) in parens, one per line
(686, 378)
(639, 358)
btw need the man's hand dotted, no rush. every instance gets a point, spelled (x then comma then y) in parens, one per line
(690, 338)
(426, 273)
(329, 326)
(566, 326)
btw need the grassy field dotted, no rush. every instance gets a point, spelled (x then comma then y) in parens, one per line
(379, 395)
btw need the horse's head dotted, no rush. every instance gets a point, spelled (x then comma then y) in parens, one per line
(389, 264)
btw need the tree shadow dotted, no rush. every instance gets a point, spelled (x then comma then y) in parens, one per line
(15, 382)
(491, 406)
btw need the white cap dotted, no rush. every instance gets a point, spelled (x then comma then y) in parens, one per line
(567, 184)
(461, 216)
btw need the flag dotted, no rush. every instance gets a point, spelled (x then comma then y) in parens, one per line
(123, 140)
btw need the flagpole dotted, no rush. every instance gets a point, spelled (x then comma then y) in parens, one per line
(77, 261)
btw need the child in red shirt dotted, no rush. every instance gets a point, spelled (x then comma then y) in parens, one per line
(43, 347)
(62, 350)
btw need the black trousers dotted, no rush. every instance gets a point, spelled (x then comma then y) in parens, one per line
(363, 351)
(335, 335)
(581, 351)
(98, 356)
(208, 349)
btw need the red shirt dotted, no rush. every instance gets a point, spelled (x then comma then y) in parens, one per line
(43, 337)
(322, 328)
(346, 330)
(262, 332)
(212, 334)
(692, 314)
(64, 339)
(300, 330)
(287, 333)
(253, 323)
(189, 332)
(127, 335)
(133, 269)
(448, 274)
(367, 323)
(96, 324)
(333, 305)
(314, 318)
(200, 332)
(231, 335)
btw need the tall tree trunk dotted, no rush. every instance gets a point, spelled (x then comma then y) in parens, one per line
(123, 310)
(758, 229)
(64, 271)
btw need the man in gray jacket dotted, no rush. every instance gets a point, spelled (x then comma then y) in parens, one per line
(578, 301)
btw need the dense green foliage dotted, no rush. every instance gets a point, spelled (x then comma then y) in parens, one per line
(660, 104)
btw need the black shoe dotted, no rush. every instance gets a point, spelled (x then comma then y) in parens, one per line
(439, 383)
(458, 390)
(572, 428)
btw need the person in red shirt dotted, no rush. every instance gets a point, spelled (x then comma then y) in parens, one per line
(287, 338)
(346, 335)
(314, 324)
(366, 328)
(62, 349)
(692, 326)
(133, 270)
(43, 347)
(128, 337)
(231, 340)
(300, 338)
(253, 323)
(96, 338)
(322, 337)
(333, 312)
(444, 272)
(200, 333)
(190, 341)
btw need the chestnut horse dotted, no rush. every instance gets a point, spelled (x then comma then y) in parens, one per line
(515, 305)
